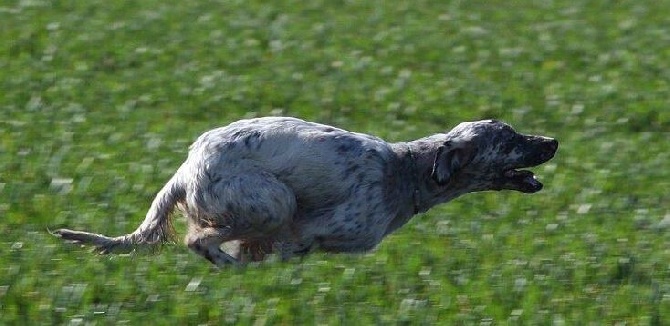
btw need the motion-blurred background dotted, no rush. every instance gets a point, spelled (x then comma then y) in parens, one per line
(99, 101)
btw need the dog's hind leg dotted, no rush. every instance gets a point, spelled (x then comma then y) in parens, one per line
(206, 242)
(249, 205)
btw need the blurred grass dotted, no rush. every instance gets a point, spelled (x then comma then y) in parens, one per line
(100, 100)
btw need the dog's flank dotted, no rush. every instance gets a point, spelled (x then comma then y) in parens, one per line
(286, 186)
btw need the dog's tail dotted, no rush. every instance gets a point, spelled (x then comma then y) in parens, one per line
(156, 228)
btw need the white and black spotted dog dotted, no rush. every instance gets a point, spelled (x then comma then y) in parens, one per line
(287, 186)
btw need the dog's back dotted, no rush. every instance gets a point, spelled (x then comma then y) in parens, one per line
(320, 163)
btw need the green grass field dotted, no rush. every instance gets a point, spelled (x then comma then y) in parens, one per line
(100, 100)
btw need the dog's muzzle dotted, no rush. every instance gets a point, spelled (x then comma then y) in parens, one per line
(543, 150)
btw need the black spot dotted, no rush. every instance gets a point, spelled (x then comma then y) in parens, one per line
(352, 168)
(303, 251)
(197, 247)
(360, 177)
(216, 178)
(236, 134)
(376, 207)
(370, 153)
(288, 172)
(228, 145)
(369, 198)
(507, 147)
(343, 148)
(208, 256)
(229, 207)
(253, 140)
(338, 230)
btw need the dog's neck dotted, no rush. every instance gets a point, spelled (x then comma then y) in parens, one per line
(415, 167)
(416, 193)
(418, 157)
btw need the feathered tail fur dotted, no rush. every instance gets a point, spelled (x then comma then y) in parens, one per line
(155, 229)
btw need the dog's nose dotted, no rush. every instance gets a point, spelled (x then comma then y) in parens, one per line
(549, 148)
(552, 144)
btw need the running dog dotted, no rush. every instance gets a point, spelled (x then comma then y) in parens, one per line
(286, 186)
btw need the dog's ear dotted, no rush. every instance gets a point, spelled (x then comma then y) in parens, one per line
(451, 157)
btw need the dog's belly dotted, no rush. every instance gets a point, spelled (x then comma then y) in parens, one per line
(349, 244)
(351, 226)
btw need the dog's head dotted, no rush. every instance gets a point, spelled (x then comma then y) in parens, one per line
(490, 155)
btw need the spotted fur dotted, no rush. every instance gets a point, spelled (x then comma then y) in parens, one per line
(287, 186)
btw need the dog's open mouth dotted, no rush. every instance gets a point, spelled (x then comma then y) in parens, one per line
(523, 180)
